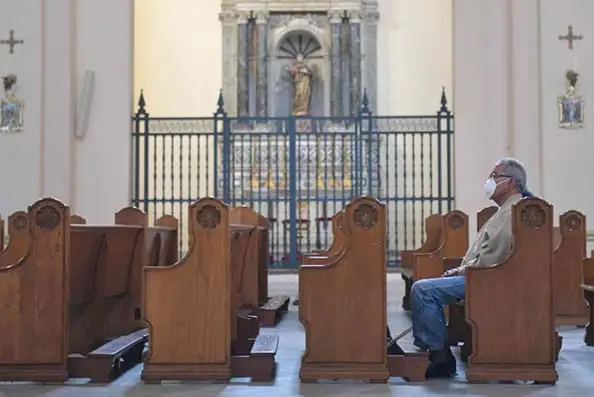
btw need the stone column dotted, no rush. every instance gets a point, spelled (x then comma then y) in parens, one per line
(262, 65)
(228, 20)
(345, 69)
(243, 71)
(355, 51)
(335, 83)
(369, 57)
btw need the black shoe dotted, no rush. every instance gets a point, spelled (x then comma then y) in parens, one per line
(442, 364)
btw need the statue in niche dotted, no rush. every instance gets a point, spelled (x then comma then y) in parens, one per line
(11, 107)
(571, 105)
(299, 89)
(302, 76)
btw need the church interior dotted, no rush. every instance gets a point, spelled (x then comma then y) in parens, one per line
(196, 168)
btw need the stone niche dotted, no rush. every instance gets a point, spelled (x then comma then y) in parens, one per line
(261, 39)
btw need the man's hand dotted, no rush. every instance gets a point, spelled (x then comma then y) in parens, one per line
(457, 271)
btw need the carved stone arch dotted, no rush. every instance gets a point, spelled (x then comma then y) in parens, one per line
(298, 25)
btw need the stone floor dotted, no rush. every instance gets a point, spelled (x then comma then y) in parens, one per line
(575, 366)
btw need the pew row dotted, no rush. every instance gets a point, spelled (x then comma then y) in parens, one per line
(198, 327)
(251, 277)
(518, 344)
(70, 296)
(446, 237)
(345, 334)
(588, 288)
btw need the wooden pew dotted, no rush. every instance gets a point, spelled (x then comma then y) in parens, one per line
(516, 344)
(568, 255)
(337, 345)
(252, 275)
(75, 289)
(447, 237)
(588, 287)
(106, 291)
(569, 242)
(198, 330)
(458, 330)
(355, 262)
(431, 243)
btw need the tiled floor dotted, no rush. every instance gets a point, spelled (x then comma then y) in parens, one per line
(575, 366)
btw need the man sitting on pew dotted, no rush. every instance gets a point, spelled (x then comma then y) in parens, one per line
(493, 244)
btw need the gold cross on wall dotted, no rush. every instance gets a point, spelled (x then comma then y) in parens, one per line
(570, 37)
(11, 41)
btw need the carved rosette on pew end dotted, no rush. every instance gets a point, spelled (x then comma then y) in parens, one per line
(526, 349)
(345, 337)
(198, 329)
(250, 269)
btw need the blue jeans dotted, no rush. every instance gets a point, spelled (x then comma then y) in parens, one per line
(428, 298)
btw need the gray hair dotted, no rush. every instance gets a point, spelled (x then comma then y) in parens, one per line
(515, 169)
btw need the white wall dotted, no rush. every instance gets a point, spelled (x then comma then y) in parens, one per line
(178, 56)
(63, 38)
(496, 84)
(567, 153)
(20, 154)
(103, 158)
(509, 70)
(414, 55)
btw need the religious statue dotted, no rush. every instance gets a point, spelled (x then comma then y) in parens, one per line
(302, 76)
(11, 108)
(571, 106)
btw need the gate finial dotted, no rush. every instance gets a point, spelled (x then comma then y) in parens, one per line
(220, 103)
(365, 103)
(444, 101)
(141, 103)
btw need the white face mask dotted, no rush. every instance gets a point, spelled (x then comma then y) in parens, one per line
(490, 187)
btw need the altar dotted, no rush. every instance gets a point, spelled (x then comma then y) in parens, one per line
(266, 162)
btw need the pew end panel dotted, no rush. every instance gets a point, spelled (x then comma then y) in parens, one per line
(341, 292)
(35, 295)
(570, 307)
(524, 281)
(187, 305)
(588, 288)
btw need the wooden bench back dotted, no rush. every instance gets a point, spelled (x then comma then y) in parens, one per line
(515, 340)
(342, 296)
(188, 305)
(568, 256)
(588, 270)
(484, 215)
(255, 280)
(162, 241)
(34, 293)
(433, 225)
(453, 243)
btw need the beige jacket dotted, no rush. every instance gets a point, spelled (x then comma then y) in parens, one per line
(494, 242)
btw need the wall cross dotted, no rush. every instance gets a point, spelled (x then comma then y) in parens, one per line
(570, 37)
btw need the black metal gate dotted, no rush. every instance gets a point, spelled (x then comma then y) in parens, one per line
(298, 171)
